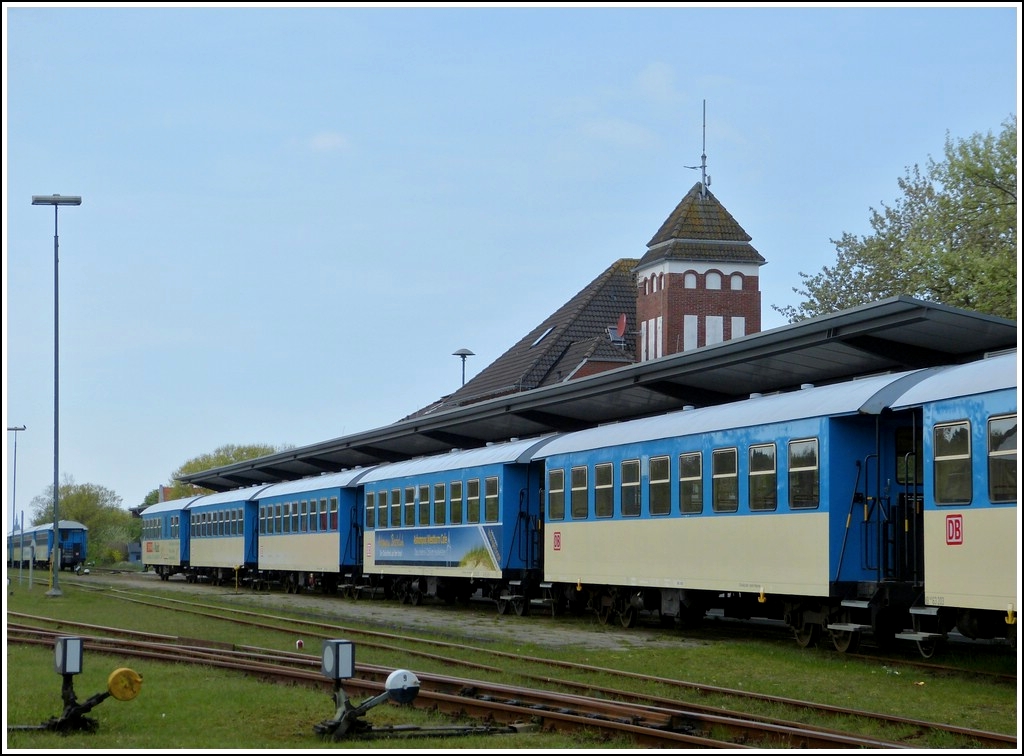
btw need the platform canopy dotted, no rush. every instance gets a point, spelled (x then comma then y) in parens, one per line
(896, 334)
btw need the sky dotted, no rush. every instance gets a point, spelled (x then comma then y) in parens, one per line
(292, 217)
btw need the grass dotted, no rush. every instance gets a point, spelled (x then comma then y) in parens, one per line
(189, 707)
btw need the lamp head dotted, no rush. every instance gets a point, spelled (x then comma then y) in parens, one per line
(55, 199)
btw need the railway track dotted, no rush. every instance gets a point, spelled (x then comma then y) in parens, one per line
(559, 705)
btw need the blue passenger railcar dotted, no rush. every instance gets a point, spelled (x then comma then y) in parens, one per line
(223, 537)
(310, 532)
(451, 525)
(165, 537)
(776, 506)
(971, 531)
(35, 546)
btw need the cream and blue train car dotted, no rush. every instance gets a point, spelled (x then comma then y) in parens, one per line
(35, 545)
(165, 537)
(223, 538)
(788, 506)
(310, 532)
(453, 525)
(971, 525)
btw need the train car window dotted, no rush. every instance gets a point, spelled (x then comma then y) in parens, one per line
(456, 489)
(659, 486)
(762, 482)
(382, 509)
(304, 516)
(473, 500)
(410, 506)
(278, 527)
(578, 492)
(424, 505)
(691, 486)
(556, 494)
(724, 480)
(295, 517)
(804, 478)
(175, 526)
(909, 459)
(396, 508)
(952, 460)
(334, 513)
(263, 520)
(604, 492)
(1002, 459)
(440, 502)
(287, 517)
(629, 496)
(371, 511)
(491, 499)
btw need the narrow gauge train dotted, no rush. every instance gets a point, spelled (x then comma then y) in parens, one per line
(34, 546)
(825, 507)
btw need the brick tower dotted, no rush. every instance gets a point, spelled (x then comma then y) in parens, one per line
(697, 284)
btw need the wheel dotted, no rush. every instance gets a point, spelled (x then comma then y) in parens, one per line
(604, 609)
(807, 635)
(414, 597)
(846, 641)
(502, 606)
(519, 605)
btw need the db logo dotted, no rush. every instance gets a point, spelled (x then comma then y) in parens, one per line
(557, 540)
(954, 530)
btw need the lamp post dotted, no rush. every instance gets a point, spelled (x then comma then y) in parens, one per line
(56, 200)
(463, 353)
(14, 484)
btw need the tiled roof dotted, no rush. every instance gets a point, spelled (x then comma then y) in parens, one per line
(700, 228)
(555, 349)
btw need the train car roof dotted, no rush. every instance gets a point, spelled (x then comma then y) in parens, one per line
(226, 497)
(64, 525)
(174, 505)
(860, 396)
(990, 374)
(315, 483)
(509, 452)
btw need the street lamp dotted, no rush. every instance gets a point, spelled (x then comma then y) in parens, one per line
(463, 353)
(56, 200)
(14, 484)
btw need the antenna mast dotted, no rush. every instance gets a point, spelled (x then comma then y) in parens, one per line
(705, 179)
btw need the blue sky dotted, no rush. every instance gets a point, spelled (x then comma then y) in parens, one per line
(293, 216)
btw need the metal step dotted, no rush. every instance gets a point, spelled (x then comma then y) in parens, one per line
(913, 636)
(849, 627)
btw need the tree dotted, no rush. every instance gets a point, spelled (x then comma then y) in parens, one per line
(951, 238)
(111, 527)
(228, 454)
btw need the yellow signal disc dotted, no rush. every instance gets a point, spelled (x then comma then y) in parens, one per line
(124, 684)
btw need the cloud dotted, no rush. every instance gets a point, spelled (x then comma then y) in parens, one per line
(618, 131)
(656, 83)
(328, 141)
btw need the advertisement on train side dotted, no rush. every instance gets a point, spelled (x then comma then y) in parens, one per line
(473, 549)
